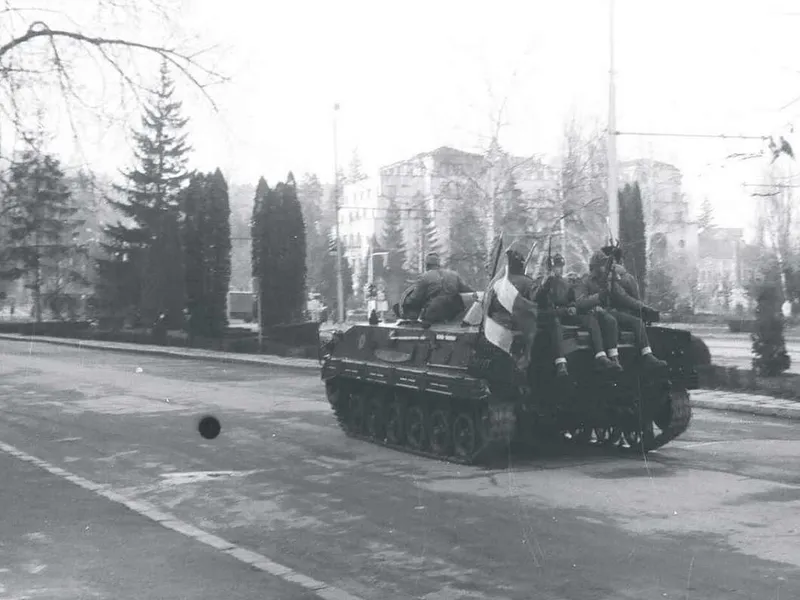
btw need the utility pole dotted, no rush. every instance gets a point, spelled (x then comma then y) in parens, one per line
(339, 284)
(613, 201)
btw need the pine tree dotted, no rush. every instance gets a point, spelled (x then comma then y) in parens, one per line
(706, 218)
(152, 242)
(219, 253)
(279, 252)
(661, 293)
(515, 222)
(194, 200)
(769, 345)
(257, 226)
(356, 173)
(42, 231)
(207, 247)
(294, 261)
(632, 234)
(310, 195)
(395, 274)
(468, 247)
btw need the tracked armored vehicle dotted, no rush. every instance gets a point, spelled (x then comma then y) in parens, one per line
(445, 392)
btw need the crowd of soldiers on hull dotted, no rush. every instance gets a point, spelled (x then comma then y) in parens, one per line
(557, 301)
(604, 291)
(436, 295)
(603, 301)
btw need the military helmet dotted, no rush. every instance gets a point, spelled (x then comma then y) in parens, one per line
(598, 259)
(432, 260)
(515, 253)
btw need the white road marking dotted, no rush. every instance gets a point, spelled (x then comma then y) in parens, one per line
(199, 476)
(259, 561)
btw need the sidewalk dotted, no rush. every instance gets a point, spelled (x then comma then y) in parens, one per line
(754, 404)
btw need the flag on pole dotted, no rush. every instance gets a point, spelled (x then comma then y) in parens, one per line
(515, 313)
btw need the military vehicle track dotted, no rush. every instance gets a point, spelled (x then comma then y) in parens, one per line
(455, 430)
(672, 421)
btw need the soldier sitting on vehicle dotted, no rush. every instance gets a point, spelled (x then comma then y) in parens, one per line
(436, 296)
(556, 302)
(602, 328)
(598, 291)
(526, 287)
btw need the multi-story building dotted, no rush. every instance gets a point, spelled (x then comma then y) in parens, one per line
(429, 182)
(358, 221)
(419, 187)
(665, 207)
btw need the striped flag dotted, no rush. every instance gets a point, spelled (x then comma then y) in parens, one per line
(516, 313)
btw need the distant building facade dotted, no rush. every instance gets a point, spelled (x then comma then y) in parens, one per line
(672, 236)
(429, 182)
(358, 221)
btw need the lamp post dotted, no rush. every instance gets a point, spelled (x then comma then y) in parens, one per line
(613, 201)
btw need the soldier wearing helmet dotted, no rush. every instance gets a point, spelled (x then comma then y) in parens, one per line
(436, 296)
(556, 302)
(527, 289)
(600, 293)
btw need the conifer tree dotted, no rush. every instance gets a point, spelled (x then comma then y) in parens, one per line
(42, 229)
(207, 248)
(394, 273)
(310, 195)
(468, 247)
(769, 345)
(706, 219)
(294, 256)
(515, 222)
(152, 242)
(632, 234)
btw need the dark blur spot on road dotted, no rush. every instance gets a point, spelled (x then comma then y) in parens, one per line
(209, 427)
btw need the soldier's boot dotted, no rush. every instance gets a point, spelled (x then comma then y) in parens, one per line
(613, 356)
(653, 364)
(604, 363)
(561, 368)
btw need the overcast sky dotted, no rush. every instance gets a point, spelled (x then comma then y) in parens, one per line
(416, 75)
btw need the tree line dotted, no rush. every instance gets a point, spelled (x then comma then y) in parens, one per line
(165, 261)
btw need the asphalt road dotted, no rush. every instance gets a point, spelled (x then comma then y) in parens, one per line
(716, 514)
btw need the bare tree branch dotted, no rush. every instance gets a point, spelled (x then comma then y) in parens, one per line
(183, 62)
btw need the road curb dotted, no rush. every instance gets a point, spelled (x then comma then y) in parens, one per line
(190, 353)
(752, 404)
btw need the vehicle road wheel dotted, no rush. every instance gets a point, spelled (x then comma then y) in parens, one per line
(441, 432)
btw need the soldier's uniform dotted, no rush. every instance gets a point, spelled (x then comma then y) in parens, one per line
(555, 299)
(597, 292)
(436, 296)
(527, 289)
